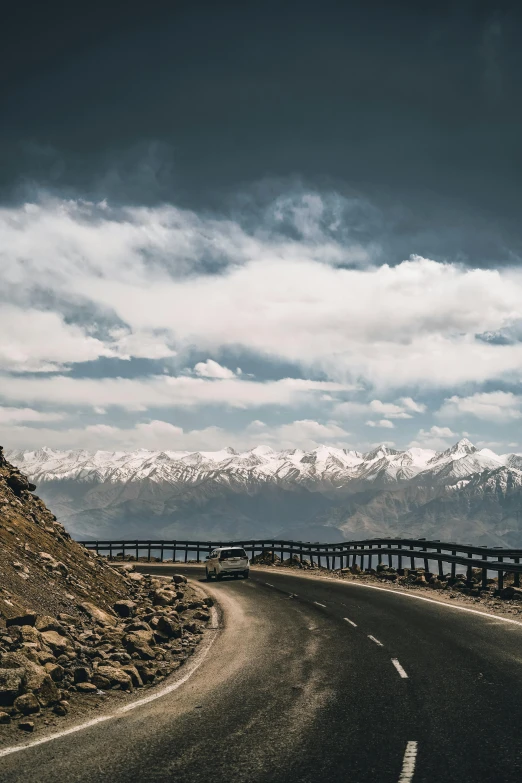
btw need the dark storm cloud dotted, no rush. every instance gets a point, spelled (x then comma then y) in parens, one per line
(415, 106)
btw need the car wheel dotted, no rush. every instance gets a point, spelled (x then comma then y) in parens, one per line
(209, 575)
(246, 574)
(219, 577)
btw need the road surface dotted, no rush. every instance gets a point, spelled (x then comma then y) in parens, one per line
(316, 680)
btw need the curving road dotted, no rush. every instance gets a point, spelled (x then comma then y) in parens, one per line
(316, 680)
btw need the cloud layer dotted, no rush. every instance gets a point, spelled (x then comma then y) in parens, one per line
(292, 285)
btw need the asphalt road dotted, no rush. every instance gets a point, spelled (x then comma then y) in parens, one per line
(316, 680)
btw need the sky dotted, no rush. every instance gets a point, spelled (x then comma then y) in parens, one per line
(282, 223)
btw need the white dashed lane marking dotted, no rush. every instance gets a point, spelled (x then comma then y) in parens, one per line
(408, 763)
(375, 640)
(351, 622)
(268, 584)
(318, 604)
(399, 669)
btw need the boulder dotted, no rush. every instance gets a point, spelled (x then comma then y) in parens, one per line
(133, 674)
(47, 623)
(55, 671)
(97, 614)
(117, 677)
(35, 677)
(125, 608)
(26, 618)
(27, 704)
(5, 718)
(179, 579)
(170, 627)
(163, 597)
(11, 682)
(26, 725)
(81, 674)
(55, 641)
(87, 687)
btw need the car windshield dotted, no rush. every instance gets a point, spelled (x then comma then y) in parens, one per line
(226, 553)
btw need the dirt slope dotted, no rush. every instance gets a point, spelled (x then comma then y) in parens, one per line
(41, 568)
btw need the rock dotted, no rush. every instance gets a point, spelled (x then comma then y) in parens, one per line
(203, 616)
(179, 579)
(169, 627)
(97, 614)
(125, 608)
(136, 577)
(47, 623)
(26, 725)
(10, 685)
(86, 687)
(355, 569)
(208, 601)
(163, 597)
(133, 674)
(510, 592)
(55, 641)
(27, 618)
(81, 674)
(135, 643)
(55, 671)
(35, 677)
(27, 704)
(5, 718)
(116, 676)
(60, 709)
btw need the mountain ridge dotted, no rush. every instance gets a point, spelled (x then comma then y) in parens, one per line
(463, 491)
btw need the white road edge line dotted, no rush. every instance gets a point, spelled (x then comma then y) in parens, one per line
(375, 640)
(351, 622)
(399, 669)
(318, 604)
(429, 600)
(127, 708)
(268, 584)
(408, 762)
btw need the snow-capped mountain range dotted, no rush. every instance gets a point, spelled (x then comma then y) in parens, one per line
(327, 493)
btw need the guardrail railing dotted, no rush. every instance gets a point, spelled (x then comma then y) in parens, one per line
(348, 553)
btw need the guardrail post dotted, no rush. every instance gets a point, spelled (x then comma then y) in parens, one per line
(137, 551)
(390, 560)
(426, 564)
(186, 553)
(197, 552)
(516, 575)
(379, 554)
(500, 583)
(369, 558)
(399, 557)
(484, 574)
(110, 551)
(469, 570)
(362, 562)
(412, 558)
(354, 556)
(453, 565)
(441, 568)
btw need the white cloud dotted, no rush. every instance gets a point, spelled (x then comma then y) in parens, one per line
(162, 391)
(162, 435)
(435, 438)
(385, 423)
(389, 409)
(496, 406)
(13, 415)
(295, 299)
(211, 369)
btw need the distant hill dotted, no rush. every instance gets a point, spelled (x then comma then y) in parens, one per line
(463, 493)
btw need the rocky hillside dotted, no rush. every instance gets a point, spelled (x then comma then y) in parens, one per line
(324, 494)
(71, 626)
(41, 568)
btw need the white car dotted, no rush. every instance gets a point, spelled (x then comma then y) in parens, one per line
(227, 561)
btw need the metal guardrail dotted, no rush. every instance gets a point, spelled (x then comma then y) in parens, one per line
(347, 553)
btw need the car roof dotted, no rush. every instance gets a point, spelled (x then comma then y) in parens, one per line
(230, 547)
